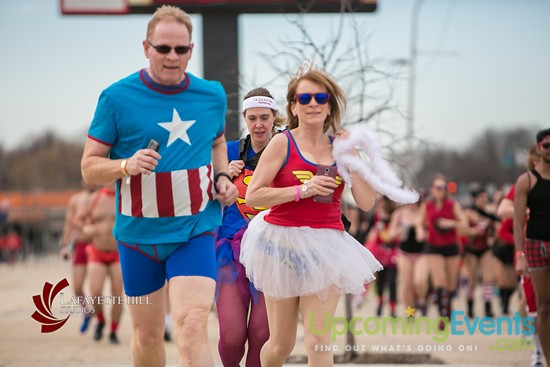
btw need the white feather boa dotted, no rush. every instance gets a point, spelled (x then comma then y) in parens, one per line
(377, 172)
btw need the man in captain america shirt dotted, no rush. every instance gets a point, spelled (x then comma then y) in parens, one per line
(168, 202)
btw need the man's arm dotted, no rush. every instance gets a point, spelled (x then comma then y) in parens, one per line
(98, 169)
(520, 208)
(226, 190)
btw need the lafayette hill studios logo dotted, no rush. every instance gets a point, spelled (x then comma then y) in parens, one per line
(43, 303)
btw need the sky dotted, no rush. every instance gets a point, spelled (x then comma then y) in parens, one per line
(481, 64)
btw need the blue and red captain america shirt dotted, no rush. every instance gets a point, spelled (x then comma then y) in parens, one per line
(175, 202)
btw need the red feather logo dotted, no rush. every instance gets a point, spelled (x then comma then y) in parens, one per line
(43, 303)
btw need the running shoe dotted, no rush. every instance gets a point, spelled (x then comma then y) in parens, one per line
(85, 324)
(113, 339)
(99, 331)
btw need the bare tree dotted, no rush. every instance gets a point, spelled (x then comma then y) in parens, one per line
(494, 157)
(344, 54)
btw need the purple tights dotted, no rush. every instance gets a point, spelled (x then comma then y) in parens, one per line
(236, 327)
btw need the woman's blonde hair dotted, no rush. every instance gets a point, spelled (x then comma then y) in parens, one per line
(171, 13)
(337, 100)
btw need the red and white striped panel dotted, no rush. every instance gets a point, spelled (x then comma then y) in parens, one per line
(166, 194)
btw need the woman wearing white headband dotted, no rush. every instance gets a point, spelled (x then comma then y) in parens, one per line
(299, 254)
(236, 296)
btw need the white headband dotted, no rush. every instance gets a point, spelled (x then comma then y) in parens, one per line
(259, 101)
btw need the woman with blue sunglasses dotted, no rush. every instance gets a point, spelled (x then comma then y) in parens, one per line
(298, 253)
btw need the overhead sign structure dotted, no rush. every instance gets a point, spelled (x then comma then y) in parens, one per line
(262, 7)
(220, 30)
(74, 7)
(94, 7)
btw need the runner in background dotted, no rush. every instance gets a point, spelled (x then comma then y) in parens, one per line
(477, 257)
(74, 241)
(360, 225)
(412, 269)
(241, 308)
(383, 246)
(441, 220)
(103, 258)
(503, 249)
(533, 246)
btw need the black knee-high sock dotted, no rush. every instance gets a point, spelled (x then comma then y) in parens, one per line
(443, 302)
(505, 295)
(470, 303)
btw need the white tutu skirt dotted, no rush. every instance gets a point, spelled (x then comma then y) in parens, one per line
(285, 262)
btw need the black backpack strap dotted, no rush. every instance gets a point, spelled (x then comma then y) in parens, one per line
(244, 145)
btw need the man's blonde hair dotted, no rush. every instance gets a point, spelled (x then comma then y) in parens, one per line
(169, 12)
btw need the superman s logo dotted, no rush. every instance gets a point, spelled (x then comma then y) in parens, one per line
(242, 181)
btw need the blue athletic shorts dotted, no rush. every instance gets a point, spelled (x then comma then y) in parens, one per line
(145, 268)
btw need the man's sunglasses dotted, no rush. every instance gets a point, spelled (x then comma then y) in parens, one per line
(165, 49)
(305, 98)
(544, 145)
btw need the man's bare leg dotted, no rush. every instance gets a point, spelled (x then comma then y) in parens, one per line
(191, 298)
(148, 329)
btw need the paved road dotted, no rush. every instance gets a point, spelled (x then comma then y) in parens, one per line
(22, 344)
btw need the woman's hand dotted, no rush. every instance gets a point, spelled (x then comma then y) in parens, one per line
(235, 168)
(521, 264)
(319, 185)
(343, 134)
(445, 223)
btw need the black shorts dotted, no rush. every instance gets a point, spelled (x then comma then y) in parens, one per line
(445, 251)
(504, 252)
(475, 251)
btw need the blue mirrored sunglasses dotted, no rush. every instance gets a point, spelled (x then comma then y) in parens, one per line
(305, 98)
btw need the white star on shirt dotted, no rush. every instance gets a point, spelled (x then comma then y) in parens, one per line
(178, 129)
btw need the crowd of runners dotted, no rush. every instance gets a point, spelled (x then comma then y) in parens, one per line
(267, 229)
